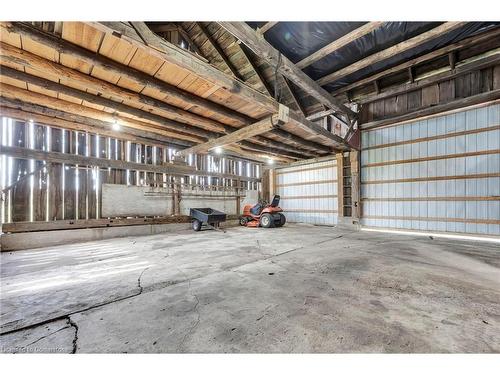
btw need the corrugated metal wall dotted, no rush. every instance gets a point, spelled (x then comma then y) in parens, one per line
(309, 192)
(437, 174)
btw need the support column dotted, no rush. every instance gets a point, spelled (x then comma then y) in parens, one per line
(355, 186)
(340, 184)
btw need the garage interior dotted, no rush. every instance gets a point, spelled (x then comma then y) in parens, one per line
(381, 140)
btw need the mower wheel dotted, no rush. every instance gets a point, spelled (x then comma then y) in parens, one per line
(266, 221)
(243, 221)
(196, 225)
(282, 220)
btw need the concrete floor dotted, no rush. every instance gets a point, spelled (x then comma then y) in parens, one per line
(296, 289)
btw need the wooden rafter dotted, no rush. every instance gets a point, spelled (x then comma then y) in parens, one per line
(492, 34)
(294, 96)
(259, 127)
(391, 51)
(261, 47)
(338, 43)
(59, 157)
(180, 57)
(267, 26)
(490, 59)
(247, 53)
(219, 50)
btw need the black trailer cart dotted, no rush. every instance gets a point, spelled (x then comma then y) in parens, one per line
(207, 216)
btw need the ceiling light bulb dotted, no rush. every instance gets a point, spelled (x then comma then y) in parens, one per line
(270, 161)
(116, 126)
(218, 150)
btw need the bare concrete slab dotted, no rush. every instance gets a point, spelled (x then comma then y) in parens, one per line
(295, 289)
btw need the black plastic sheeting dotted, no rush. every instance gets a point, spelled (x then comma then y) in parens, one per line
(297, 40)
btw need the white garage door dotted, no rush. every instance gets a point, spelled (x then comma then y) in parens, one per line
(309, 192)
(437, 174)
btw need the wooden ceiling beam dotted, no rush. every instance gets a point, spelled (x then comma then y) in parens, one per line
(338, 43)
(261, 47)
(179, 57)
(81, 122)
(391, 51)
(26, 111)
(492, 34)
(247, 53)
(14, 92)
(257, 128)
(294, 96)
(13, 55)
(99, 100)
(60, 157)
(431, 79)
(112, 67)
(26, 59)
(219, 50)
(267, 26)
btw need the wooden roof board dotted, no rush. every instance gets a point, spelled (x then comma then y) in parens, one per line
(39, 49)
(145, 62)
(10, 38)
(104, 75)
(117, 49)
(121, 50)
(74, 63)
(82, 34)
(69, 98)
(172, 74)
(13, 82)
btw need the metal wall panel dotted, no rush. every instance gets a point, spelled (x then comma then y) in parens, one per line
(309, 192)
(437, 174)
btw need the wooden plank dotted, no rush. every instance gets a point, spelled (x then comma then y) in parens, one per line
(261, 47)
(338, 43)
(436, 137)
(319, 182)
(119, 107)
(460, 103)
(113, 67)
(69, 76)
(20, 227)
(219, 50)
(430, 95)
(493, 34)
(294, 96)
(267, 26)
(259, 127)
(340, 183)
(429, 158)
(58, 157)
(478, 62)
(13, 93)
(427, 179)
(391, 51)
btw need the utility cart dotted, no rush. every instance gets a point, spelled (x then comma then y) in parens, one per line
(208, 216)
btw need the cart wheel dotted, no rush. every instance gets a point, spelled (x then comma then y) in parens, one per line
(196, 225)
(266, 221)
(243, 221)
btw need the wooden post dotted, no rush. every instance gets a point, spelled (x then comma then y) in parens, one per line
(355, 186)
(340, 183)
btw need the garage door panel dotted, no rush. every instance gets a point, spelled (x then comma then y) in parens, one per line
(309, 192)
(428, 184)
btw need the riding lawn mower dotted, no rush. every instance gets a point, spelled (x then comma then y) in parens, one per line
(263, 214)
